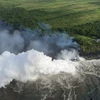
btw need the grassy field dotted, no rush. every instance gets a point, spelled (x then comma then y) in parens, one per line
(80, 18)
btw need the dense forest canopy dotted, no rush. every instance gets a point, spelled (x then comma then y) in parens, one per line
(80, 18)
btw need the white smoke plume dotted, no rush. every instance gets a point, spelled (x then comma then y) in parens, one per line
(18, 62)
(69, 55)
(16, 41)
(30, 65)
(11, 42)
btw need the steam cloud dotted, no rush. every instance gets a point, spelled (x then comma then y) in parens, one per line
(16, 41)
(11, 42)
(19, 62)
(30, 65)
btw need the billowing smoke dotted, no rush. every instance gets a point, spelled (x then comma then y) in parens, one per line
(11, 42)
(43, 39)
(69, 55)
(45, 65)
(30, 64)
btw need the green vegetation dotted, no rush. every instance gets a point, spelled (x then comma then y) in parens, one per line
(80, 18)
